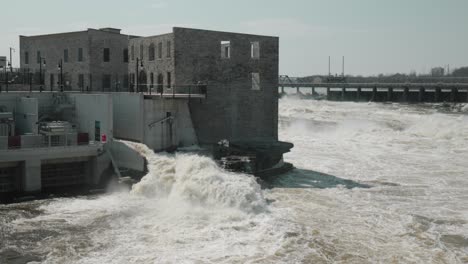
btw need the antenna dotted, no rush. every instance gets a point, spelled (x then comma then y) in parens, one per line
(342, 67)
(328, 65)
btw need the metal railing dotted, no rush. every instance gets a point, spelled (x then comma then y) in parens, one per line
(42, 141)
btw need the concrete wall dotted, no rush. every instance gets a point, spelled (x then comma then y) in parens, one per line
(91, 108)
(232, 109)
(128, 116)
(26, 115)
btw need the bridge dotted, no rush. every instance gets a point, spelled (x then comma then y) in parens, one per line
(379, 92)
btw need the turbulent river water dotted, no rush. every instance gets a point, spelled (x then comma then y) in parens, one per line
(374, 183)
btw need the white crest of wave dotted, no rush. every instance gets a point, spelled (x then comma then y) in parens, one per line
(197, 180)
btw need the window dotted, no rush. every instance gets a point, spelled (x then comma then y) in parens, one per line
(38, 58)
(255, 50)
(151, 80)
(65, 55)
(151, 52)
(125, 55)
(141, 51)
(81, 80)
(26, 57)
(80, 54)
(160, 50)
(133, 52)
(168, 48)
(168, 79)
(225, 49)
(106, 55)
(255, 81)
(106, 81)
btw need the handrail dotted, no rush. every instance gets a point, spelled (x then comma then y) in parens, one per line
(160, 121)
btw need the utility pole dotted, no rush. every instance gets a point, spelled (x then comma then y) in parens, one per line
(342, 67)
(11, 62)
(328, 65)
(60, 67)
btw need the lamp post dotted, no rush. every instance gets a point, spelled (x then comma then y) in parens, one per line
(139, 63)
(41, 60)
(60, 68)
(2, 68)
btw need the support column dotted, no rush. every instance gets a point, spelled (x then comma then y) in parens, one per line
(343, 94)
(32, 175)
(374, 94)
(453, 95)
(328, 93)
(282, 89)
(437, 94)
(421, 94)
(406, 94)
(297, 90)
(358, 95)
(389, 94)
(313, 91)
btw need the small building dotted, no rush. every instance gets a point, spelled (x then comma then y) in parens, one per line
(3, 62)
(94, 59)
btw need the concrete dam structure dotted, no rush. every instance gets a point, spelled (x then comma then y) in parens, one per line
(220, 88)
(384, 92)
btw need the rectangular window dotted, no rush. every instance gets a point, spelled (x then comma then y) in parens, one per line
(106, 81)
(169, 80)
(151, 52)
(141, 51)
(225, 49)
(255, 50)
(81, 81)
(125, 55)
(65, 55)
(168, 48)
(160, 50)
(106, 55)
(255, 81)
(38, 59)
(151, 80)
(97, 131)
(26, 57)
(133, 52)
(80, 54)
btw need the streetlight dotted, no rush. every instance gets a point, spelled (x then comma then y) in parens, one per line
(139, 63)
(60, 68)
(41, 60)
(4, 75)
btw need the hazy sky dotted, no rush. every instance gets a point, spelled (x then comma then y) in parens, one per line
(375, 36)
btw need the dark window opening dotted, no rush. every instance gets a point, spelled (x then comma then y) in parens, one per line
(133, 52)
(125, 55)
(160, 50)
(151, 80)
(168, 79)
(168, 49)
(80, 54)
(81, 80)
(65, 55)
(151, 52)
(106, 55)
(38, 59)
(26, 57)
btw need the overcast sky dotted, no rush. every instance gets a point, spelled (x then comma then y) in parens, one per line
(375, 36)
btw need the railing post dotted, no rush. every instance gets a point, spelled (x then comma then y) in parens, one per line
(421, 94)
(389, 94)
(358, 95)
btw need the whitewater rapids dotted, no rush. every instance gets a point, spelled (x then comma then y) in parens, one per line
(393, 188)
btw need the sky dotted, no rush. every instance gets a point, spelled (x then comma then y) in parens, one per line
(375, 36)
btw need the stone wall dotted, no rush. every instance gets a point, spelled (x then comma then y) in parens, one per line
(158, 67)
(232, 109)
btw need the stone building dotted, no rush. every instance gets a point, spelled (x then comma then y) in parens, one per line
(240, 72)
(91, 59)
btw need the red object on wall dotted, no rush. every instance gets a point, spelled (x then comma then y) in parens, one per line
(103, 138)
